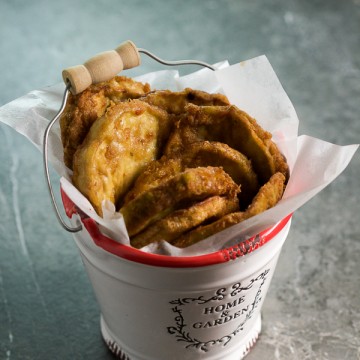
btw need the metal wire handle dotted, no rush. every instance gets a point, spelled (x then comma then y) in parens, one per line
(175, 63)
(70, 87)
(46, 163)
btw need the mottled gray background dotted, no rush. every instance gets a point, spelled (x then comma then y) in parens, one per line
(312, 311)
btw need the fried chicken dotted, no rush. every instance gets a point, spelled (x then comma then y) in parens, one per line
(202, 153)
(268, 196)
(175, 102)
(179, 166)
(83, 109)
(234, 127)
(183, 220)
(117, 148)
(177, 192)
(237, 165)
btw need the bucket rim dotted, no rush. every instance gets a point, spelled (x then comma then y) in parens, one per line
(137, 255)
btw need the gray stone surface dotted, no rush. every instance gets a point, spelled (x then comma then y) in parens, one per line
(312, 311)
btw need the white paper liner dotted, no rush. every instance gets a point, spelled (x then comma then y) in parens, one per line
(251, 85)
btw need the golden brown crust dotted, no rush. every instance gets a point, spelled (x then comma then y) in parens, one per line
(154, 174)
(237, 165)
(175, 102)
(83, 109)
(268, 196)
(202, 153)
(173, 162)
(180, 190)
(232, 126)
(183, 220)
(117, 148)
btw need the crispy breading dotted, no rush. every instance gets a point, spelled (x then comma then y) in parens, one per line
(232, 126)
(172, 162)
(175, 102)
(268, 196)
(183, 220)
(237, 165)
(177, 192)
(155, 173)
(83, 109)
(281, 164)
(117, 148)
(199, 154)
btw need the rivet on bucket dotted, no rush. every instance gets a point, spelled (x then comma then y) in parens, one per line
(255, 242)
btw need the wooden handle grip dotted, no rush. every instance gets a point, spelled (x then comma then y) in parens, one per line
(101, 67)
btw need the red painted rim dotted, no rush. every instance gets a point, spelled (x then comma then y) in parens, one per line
(136, 255)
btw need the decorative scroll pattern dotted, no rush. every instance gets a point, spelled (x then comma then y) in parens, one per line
(181, 328)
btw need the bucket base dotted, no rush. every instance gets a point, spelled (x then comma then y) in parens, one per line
(110, 342)
(247, 343)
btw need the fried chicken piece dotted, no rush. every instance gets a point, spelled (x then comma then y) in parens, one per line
(175, 102)
(177, 192)
(83, 109)
(154, 174)
(183, 220)
(199, 154)
(234, 127)
(267, 197)
(117, 148)
(237, 165)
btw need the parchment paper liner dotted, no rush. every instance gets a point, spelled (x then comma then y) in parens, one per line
(253, 86)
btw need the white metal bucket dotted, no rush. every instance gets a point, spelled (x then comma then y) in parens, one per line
(153, 308)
